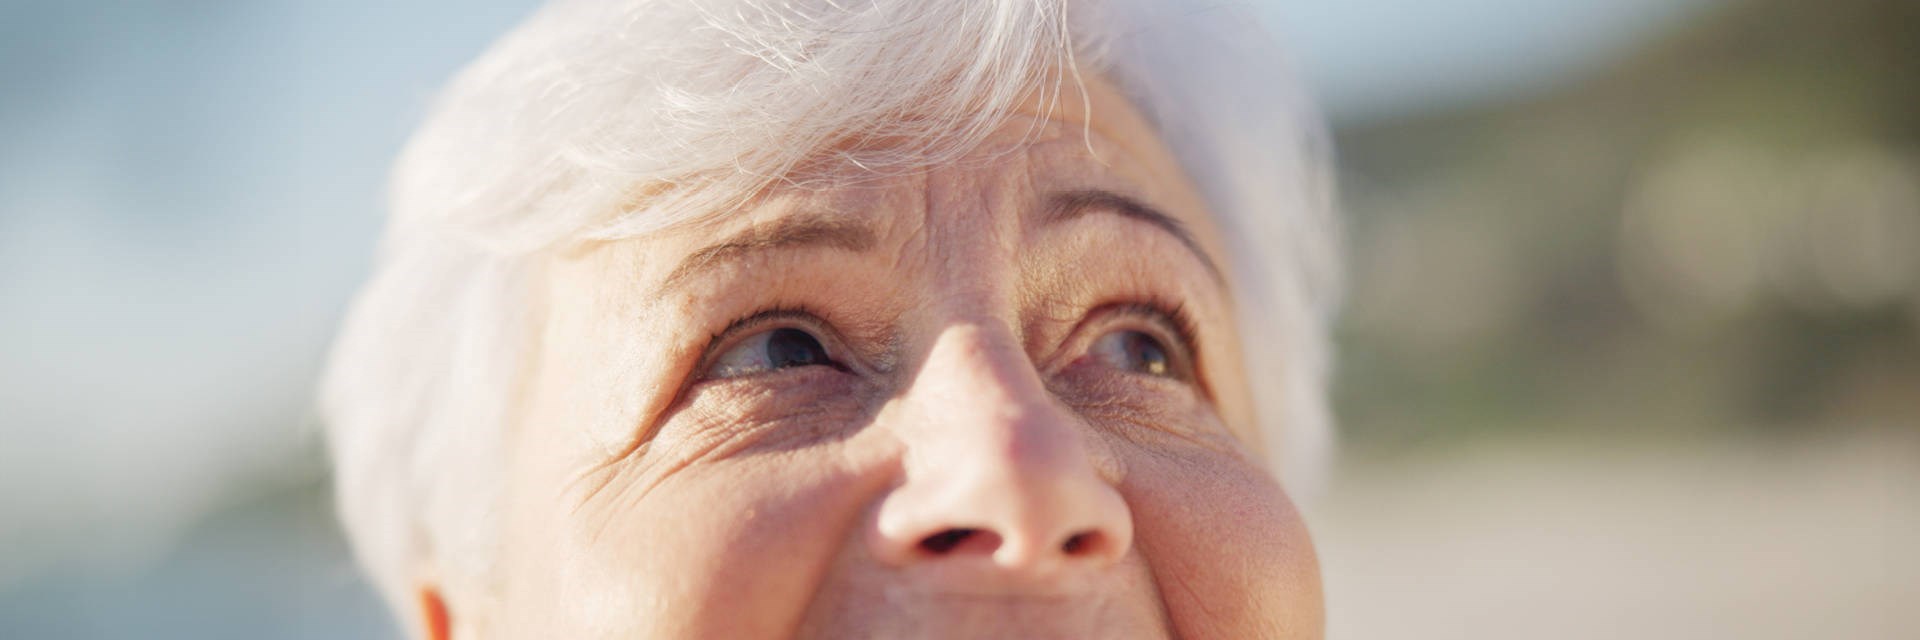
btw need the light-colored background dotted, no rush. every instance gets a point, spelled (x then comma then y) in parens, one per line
(1633, 349)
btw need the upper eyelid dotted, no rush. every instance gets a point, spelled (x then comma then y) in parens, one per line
(724, 340)
(1172, 319)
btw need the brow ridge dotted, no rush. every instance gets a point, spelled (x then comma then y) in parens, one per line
(1067, 205)
(813, 230)
(820, 230)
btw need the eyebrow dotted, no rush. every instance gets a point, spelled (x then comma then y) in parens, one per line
(819, 230)
(813, 230)
(1067, 205)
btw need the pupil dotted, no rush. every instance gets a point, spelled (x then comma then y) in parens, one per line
(1147, 353)
(793, 348)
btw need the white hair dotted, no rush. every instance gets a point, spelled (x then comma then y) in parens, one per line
(604, 119)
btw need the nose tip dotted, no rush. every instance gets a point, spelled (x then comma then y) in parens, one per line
(995, 469)
(1035, 539)
(1027, 526)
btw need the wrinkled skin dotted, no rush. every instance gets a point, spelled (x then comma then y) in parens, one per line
(995, 431)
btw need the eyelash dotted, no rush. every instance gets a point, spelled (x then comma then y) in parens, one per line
(746, 324)
(1170, 316)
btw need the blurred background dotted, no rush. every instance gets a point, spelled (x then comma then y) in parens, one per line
(1633, 348)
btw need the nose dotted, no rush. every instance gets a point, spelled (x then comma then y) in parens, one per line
(995, 469)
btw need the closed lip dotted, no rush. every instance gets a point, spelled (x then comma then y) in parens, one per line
(981, 579)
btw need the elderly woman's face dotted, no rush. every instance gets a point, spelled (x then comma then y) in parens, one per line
(999, 398)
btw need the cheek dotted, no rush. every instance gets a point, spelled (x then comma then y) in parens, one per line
(1229, 552)
(755, 533)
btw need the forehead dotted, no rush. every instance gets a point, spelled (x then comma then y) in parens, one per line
(1088, 137)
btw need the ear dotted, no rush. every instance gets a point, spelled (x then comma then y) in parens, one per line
(434, 621)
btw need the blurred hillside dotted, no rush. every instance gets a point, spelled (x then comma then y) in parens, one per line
(1638, 355)
(1720, 231)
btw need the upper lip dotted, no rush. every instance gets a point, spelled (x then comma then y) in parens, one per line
(980, 577)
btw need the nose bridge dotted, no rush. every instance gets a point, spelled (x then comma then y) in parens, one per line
(995, 467)
(983, 391)
(980, 395)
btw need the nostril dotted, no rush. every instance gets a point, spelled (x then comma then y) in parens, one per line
(960, 540)
(1083, 543)
(946, 540)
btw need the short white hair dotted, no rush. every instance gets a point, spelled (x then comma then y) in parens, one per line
(614, 118)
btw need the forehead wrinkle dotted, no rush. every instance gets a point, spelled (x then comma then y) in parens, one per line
(788, 232)
(966, 221)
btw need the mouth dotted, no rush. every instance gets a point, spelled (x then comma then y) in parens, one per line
(992, 616)
(957, 602)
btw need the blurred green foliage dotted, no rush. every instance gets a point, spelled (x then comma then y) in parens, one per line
(1718, 232)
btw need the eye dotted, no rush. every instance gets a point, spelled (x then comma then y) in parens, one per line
(1134, 351)
(781, 348)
